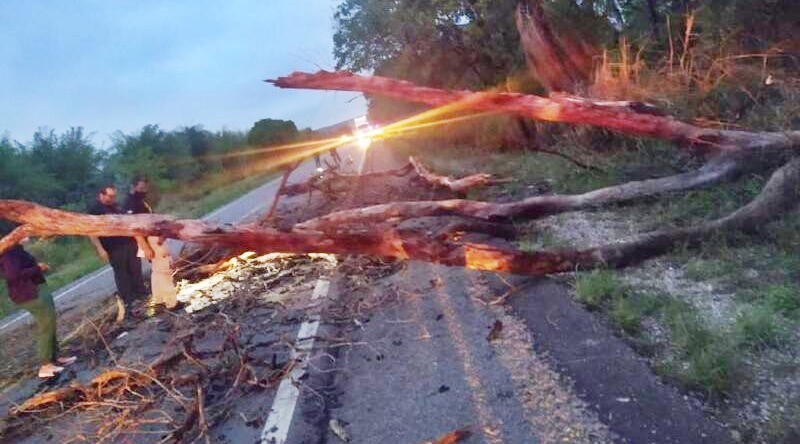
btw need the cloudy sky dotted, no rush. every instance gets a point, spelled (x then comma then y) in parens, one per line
(109, 65)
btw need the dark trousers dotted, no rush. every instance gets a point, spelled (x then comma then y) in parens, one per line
(127, 272)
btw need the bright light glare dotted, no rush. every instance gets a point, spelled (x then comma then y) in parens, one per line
(364, 142)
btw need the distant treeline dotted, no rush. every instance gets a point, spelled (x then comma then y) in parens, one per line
(66, 170)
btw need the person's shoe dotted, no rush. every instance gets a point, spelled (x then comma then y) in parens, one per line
(151, 308)
(66, 360)
(177, 307)
(49, 370)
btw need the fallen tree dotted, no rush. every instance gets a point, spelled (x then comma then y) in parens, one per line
(374, 230)
(382, 239)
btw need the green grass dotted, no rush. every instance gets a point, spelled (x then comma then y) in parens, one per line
(597, 287)
(783, 298)
(699, 205)
(759, 327)
(704, 269)
(709, 361)
(628, 311)
(197, 199)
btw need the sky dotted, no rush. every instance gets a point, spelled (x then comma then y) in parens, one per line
(118, 65)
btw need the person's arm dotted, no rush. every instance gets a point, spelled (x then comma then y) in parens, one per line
(98, 247)
(145, 247)
(13, 269)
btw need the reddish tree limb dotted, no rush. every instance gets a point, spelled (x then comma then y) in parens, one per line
(624, 117)
(15, 237)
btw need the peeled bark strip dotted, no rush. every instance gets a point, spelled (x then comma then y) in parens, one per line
(625, 117)
(455, 185)
(532, 207)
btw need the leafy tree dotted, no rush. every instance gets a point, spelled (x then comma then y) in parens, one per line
(442, 43)
(272, 131)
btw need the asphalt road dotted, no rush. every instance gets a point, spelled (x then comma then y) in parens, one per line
(99, 284)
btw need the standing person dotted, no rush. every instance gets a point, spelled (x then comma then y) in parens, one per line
(162, 286)
(120, 251)
(23, 275)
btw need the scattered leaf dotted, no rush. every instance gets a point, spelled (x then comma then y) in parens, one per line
(451, 437)
(494, 334)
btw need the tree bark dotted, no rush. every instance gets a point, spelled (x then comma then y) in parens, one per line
(654, 19)
(631, 118)
(555, 67)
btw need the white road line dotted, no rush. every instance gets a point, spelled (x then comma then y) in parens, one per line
(276, 429)
(363, 161)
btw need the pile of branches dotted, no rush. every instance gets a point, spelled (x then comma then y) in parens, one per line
(195, 381)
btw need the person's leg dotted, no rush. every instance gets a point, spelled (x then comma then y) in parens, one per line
(135, 270)
(118, 260)
(43, 311)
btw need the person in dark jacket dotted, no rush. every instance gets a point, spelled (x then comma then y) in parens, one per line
(120, 251)
(23, 275)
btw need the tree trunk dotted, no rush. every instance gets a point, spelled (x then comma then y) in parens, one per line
(654, 19)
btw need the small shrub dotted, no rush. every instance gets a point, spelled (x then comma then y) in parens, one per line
(597, 287)
(626, 314)
(714, 368)
(759, 327)
(783, 298)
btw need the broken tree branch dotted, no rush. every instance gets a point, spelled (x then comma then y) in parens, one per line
(532, 207)
(455, 185)
(624, 117)
(288, 172)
